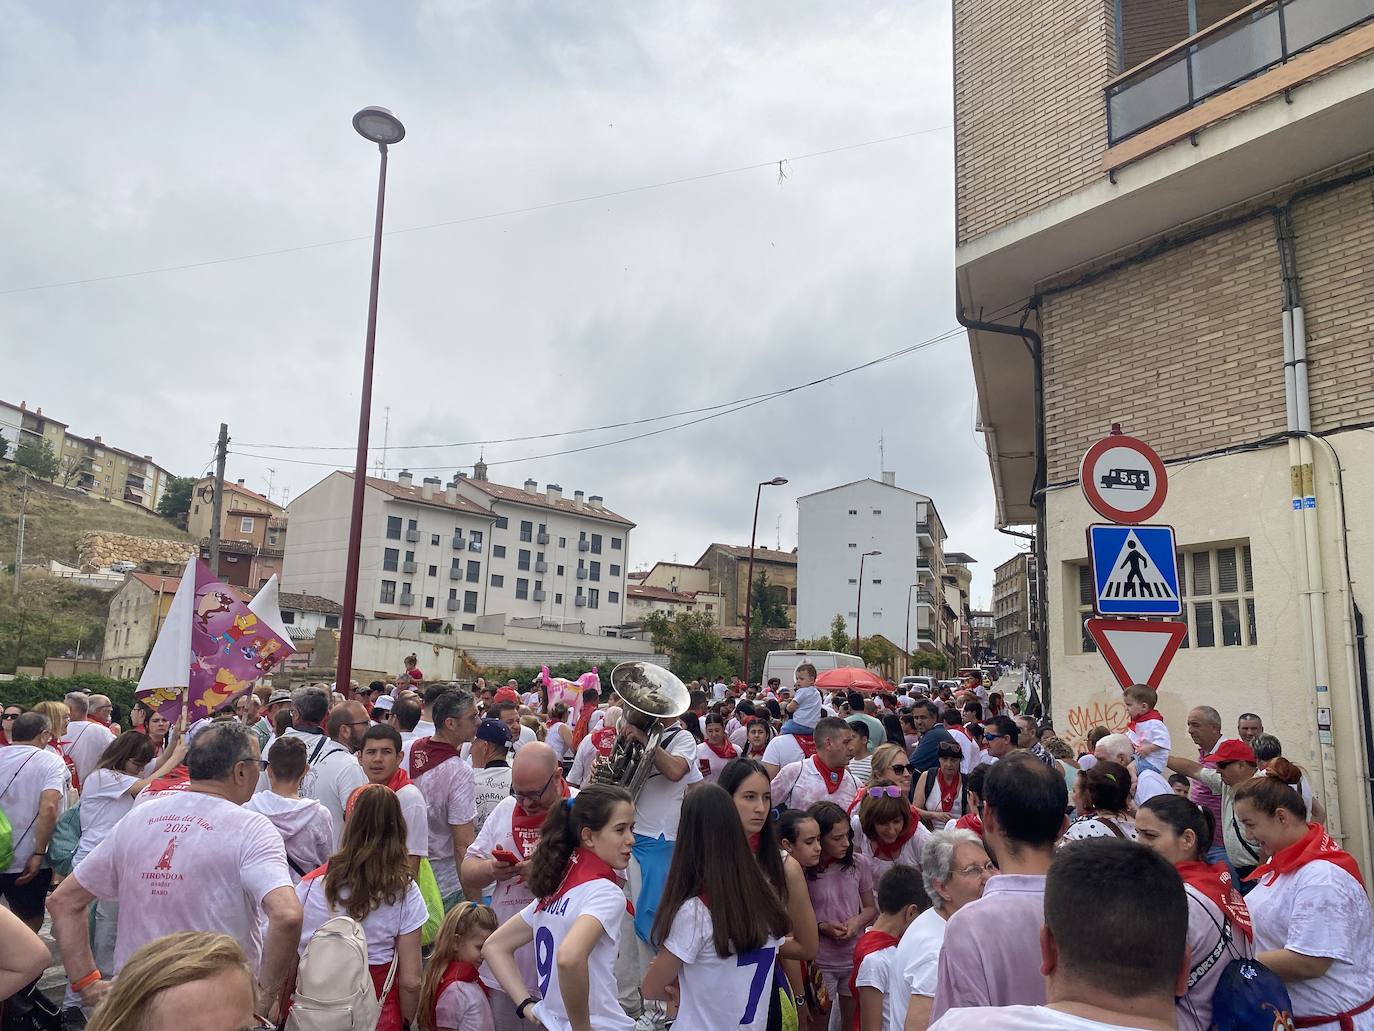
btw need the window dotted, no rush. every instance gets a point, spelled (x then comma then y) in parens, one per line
(582, 536)
(412, 524)
(434, 539)
(246, 525)
(877, 581)
(433, 570)
(853, 511)
(469, 626)
(287, 616)
(497, 580)
(539, 585)
(388, 591)
(560, 570)
(558, 599)
(614, 598)
(429, 601)
(391, 558)
(469, 601)
(852, 613)
(615, 570)
(452, 593)
(877, 511)
(526, 530)
(853, 579)
(498, 551)
(562, 542)
(473, 535)
(1217, 588)
(474, 572)
(393, 528)
(331, 622)
(522, 588)
(593, 599)
(410, 556)
(455, 563)
(502, 522)
(272, 537)
(522, 560)
(543, 529)
(596, 571)
(615, 543)
(596, 544)
(853, 545)
(579, 592)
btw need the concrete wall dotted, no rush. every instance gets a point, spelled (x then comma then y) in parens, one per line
(1237, 498)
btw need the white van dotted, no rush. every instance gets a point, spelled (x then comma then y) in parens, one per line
(783, 665)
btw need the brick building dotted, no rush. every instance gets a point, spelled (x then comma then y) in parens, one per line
(1172, 199)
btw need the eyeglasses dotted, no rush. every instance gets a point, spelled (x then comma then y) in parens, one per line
(891, 791)
(11, 715)
(533, 796)
(899, 768)
(974, 869)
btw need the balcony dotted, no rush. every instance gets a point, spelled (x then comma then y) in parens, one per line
(1241, 46)
(455, 574)
(923, 534)
(538, 594)
(541, 567)
(407, 567)
(584, 545)
(454, 604)
(412, 535)
(457, 543)
(582, 574)
(580, 601)
(542, 537)
(407, 598)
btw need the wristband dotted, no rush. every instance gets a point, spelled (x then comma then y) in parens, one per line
(530, 1000)
(87, 981)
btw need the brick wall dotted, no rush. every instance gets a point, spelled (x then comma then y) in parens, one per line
(1185, 351)
(1335, 247)
(1030, 119)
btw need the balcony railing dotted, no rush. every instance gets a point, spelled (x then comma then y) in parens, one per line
(1239, 47)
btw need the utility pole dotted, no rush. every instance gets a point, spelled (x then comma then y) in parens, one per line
(221, 454)
(19, 547)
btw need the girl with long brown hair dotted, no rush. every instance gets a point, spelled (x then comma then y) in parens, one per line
(452, 998)
(368, 879)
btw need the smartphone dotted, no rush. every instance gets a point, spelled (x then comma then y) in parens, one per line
(501, 855)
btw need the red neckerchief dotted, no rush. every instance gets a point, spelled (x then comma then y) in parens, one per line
(429, 752)
(584, 722)
(1213, 880)
(525, 827)
(948, 792)
(807, 743)
(957, 728)
(832, 778)
(883, 850)
(319, 871)
(584, 867)
(1135, 721)
(754, 840)
(456, 971)
(175, 779)
(970, 822)
(869, 943)
(1315, 844)
(398, 780)
(603, 741)
(725, 751)
(56, 746)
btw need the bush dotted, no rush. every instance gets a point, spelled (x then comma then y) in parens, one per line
(28, 691)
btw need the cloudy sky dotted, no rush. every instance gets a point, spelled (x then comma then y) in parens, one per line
(159, 135)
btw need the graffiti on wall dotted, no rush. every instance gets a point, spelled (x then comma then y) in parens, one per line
(1106, 710)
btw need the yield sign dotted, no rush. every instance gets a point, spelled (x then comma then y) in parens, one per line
(1138, 651)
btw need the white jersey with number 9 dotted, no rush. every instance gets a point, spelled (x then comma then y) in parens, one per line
(718, 991)
(604, 901)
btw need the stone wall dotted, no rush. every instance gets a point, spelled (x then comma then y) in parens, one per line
(97, 549)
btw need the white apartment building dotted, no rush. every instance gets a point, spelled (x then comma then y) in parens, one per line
(423, 550)
(553, 561)
(835, 527)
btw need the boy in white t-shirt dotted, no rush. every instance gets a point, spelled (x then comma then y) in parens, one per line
(901, 899)
(1149, 736)
(805, 707)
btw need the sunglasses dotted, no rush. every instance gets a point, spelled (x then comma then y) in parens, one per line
(994, 737)
(899, 768)
(891, 791)
(11, 715)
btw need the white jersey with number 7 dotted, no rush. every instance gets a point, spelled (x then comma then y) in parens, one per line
(599, 898)
(718, 991)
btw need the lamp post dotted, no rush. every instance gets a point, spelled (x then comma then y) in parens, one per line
(776, 481)
(376, 125)
(908, 625)
(859, 603)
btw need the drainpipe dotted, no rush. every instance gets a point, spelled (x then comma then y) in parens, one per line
(1036, 350)
(1307, 543)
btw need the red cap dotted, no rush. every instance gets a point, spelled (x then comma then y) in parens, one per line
(1232, 750)
(506, 694)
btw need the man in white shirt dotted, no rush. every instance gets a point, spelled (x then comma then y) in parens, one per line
(33, 786)
(491, 771)
(1117, 748)
(380, 758)
(86, 739)
(657, 811)
(824, 776)
(1111, 957)
(192, 860)
(333, 774)
(954, 867)
(509, 714)
(449, 787)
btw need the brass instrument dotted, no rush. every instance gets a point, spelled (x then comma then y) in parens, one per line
(651, 698)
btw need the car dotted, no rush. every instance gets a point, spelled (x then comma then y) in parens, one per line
(783, 664)
(124, 566)
(925, 685)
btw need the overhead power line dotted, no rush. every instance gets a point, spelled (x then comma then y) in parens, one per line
(469, 219)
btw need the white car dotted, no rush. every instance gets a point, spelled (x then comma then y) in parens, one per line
(124, 566)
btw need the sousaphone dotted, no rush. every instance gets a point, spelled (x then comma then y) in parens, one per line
(651, 698)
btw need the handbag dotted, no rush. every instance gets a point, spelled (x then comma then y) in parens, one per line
(30, 1010)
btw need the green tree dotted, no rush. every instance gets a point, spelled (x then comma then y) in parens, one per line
(693, 644)
(840, 641)
(770, 604)
(176, 500)
(37, 457)
(929, 660)
(877, 652)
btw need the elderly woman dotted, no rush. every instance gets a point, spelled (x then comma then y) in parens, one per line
(1101, 796)
(954, 867)
(941, 794)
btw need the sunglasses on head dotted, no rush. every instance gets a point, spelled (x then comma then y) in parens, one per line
(949, 755)
(891, 791)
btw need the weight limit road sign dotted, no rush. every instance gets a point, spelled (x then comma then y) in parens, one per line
(1137, 651)
(1123, 478)
(1135, 571)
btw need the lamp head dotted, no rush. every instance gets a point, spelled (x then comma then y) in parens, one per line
(379, 125)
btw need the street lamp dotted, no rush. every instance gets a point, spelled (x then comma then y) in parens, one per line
(376, 125)
(776, 481)
(859, 603)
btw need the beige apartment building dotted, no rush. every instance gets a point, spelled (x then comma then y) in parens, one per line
(1012, 609)
(1164, 221)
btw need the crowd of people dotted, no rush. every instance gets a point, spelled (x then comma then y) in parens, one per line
(436, 856)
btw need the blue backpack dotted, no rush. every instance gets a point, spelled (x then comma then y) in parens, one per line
(1249, 996)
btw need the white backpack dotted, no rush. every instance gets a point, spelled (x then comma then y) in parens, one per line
(334, 990)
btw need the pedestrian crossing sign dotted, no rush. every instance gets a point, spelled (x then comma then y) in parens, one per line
(1135, 572)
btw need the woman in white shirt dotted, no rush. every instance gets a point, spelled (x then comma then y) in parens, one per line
(718, 925)
(576, 918)
(716, 750)
(558, 735)
(1313, 922)
(1268, 748)
(368, 879)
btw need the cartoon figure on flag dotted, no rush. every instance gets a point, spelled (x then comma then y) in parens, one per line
(212, 646)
